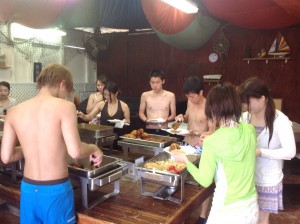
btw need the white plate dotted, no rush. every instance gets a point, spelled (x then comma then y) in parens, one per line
(115, 121)
(118, 123)
(179, 131)
(157, 120)
(187, 149)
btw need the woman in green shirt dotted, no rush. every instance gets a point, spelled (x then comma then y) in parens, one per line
(228, 159)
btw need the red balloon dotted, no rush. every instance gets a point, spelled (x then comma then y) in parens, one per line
(290, 6)
(165, 18)
(6, 10)
(35, 14)
(254, 14)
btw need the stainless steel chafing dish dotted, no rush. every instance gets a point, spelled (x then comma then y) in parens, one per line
(170, 182)
(110, 171)
(94, 131)
(145, 147)
(101, 135)
(165, 141)
(13, 169)
(108, 163)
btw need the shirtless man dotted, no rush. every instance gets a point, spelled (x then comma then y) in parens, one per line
(157, 103)
(197, 124)
(46, 127)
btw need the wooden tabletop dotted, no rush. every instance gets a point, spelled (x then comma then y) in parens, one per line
(130, 207)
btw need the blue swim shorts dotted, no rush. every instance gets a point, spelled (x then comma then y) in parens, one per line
(51, 204)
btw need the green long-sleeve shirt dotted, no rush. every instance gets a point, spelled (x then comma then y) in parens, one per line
(228, 157)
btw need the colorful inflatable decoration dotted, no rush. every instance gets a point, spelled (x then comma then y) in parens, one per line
(79, 14)
(254, 14)
(292, 7)
(178, 29)
(166, 19)
(194, 36)
(34, 14)
(181, 30)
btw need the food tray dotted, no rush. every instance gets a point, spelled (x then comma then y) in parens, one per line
(168, 141)
(94, 131)
(108, 177)
(157, 176)
(108, 163)
(164, 156)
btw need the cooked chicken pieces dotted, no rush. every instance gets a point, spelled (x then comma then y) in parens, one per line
(175, 125)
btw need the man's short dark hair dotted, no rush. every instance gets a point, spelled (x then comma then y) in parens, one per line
(192, 84)
(157, 73)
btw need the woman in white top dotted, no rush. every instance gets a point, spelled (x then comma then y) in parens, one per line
(6, 102)
(96, 97)
(275, 143)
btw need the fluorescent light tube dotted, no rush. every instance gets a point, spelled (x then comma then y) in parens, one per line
(183, 5)
(46, 35)
(75, 47)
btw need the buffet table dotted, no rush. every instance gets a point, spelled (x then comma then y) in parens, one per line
(128, 207)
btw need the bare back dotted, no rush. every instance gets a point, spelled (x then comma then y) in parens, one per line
(197, 121)
(43, 125)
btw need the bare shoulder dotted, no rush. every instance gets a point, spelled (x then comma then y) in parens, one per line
(188, 103)
(101, 103)
(14, 112)
(20, 107)
(67, 104)
(169, 94)
(147, 93)
(123, 103)
(66, 107)
(58, 105)
(188, 106)
(92, 95)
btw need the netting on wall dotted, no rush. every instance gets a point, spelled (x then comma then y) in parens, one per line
(3, 39)
(3, 33)
(25, 91)
(72, 54)
(33, 49)
(22, 92)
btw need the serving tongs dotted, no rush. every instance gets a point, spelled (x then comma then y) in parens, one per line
(176, 124)
(88, 166)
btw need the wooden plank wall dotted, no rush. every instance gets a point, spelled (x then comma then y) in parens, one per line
(131, 57)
